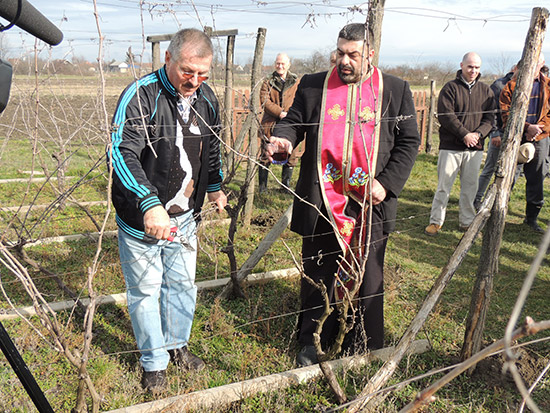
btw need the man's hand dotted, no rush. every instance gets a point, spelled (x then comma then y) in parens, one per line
(378, 192)
(157, 222)
(471, 139)
(533, 131)
(496, 141)
(277, 145)
(219, 199)
(282, 115)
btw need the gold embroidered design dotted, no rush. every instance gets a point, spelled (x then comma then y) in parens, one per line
(336, 111)
(347, 229)
(367, 114)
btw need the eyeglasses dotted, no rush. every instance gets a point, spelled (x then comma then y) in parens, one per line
(190, 75)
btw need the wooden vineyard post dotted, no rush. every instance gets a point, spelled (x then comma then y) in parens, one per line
(228, 101)
(431, 115)
(506, 165)
(253, 137)
(374, 20)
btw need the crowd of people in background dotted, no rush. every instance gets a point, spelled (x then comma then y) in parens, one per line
(465, 109)
(469, 113)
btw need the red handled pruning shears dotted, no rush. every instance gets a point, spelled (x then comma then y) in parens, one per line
(182, 240)
(173, 233)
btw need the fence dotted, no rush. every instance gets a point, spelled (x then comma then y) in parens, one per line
(241, 99)
(422, 106)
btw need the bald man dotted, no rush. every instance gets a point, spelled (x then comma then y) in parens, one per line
(466, 114)
(276, 97)
(536, 130)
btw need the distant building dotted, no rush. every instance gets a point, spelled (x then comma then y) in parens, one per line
(118, 67)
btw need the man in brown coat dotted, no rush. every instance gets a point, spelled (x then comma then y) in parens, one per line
(536, 130)
(276, 97)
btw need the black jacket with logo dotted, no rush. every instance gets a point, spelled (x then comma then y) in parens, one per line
(143, 145)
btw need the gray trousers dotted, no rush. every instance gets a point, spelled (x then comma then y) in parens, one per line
(449, 165)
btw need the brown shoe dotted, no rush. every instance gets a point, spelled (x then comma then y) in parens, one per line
(432, 229)
(463, 228)
(186, 360)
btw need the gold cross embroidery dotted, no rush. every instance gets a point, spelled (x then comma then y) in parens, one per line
(335, 112)
(347, 229)
(367, 114)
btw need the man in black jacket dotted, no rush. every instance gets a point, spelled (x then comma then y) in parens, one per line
(361, 141)
(165, 156)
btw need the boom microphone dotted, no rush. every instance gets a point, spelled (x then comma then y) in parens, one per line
(31, 20)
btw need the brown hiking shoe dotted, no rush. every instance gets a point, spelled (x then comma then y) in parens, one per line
(186, 360)
(432, 229)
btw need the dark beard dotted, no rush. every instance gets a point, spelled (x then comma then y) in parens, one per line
(347, 77)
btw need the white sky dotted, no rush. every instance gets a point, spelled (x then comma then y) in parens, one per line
(414, 31)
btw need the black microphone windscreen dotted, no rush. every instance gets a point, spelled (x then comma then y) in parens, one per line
(32, 21)
(5, 83)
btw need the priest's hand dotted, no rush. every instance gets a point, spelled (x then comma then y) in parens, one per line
(378, 192)
(278, 145)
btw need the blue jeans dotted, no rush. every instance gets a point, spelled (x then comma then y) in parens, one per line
(161, 291)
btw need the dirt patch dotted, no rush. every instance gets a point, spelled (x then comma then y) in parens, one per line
(490, 370)
(266, 219)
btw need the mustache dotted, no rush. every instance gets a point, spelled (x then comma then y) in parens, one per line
(348, 67)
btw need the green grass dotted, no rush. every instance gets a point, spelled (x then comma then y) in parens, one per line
(240, 339)
(245, 338)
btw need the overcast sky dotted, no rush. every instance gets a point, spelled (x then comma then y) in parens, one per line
(414, 31)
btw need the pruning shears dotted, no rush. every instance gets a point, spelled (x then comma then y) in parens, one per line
(175, 237)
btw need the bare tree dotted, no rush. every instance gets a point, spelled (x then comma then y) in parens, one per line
(502, 64)
(4, 46)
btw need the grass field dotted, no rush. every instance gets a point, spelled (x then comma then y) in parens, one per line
(245, 338)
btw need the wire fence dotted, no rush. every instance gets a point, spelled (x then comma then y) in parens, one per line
(52, 128)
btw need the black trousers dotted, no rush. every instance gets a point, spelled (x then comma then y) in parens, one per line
(321, 254)
(535, 172)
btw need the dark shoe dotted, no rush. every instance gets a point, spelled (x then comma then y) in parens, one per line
(307, 356)
(477, 205)
(154, 381)
(286, 175)
(263, 173)
(184, 359)
(534, 226)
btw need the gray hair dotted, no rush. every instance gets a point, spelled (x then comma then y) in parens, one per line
(201, 43)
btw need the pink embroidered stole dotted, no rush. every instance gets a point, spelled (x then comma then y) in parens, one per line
(348, 148)
(348, 145)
